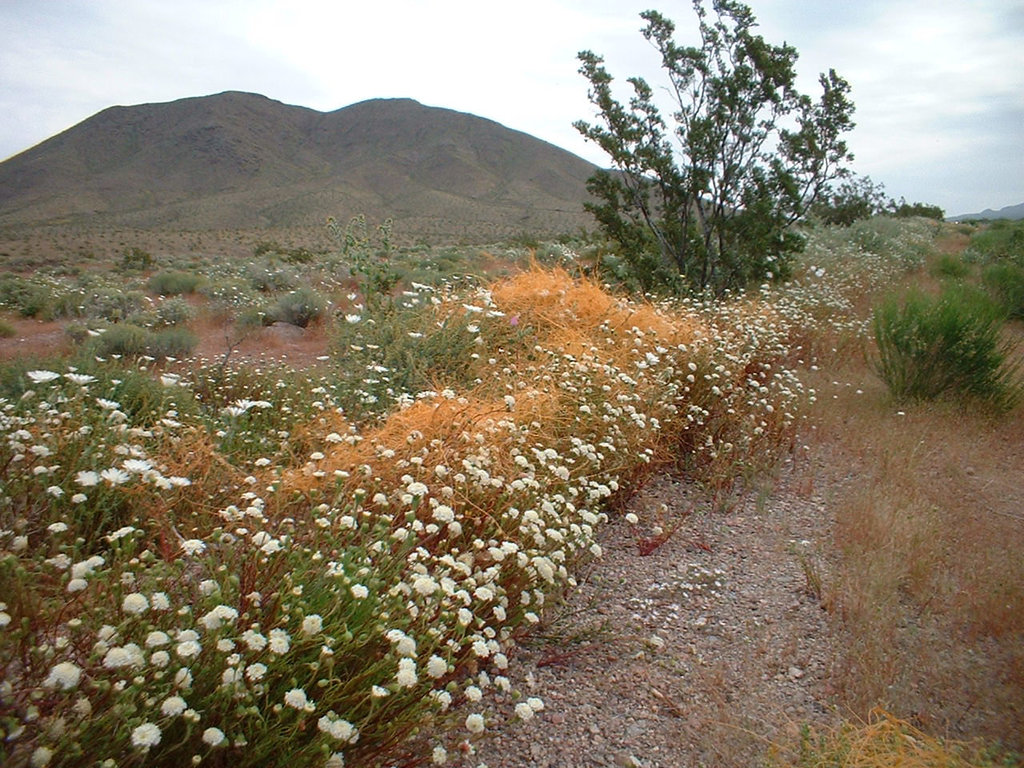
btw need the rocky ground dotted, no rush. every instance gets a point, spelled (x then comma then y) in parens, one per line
(706, 648)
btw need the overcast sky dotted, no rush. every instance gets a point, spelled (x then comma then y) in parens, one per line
(938, 84)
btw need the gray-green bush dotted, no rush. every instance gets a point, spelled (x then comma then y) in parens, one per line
(174, 283)
(127, 340)
(300, 307)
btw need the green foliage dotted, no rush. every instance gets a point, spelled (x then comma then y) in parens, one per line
(949, 345)
(403, 349)
(950, 266)
(369, 256)
(708, 203)
(136, 259)
(117, 305)
(851, 200)
(905, 210)
(1004, 281)
(173, 311)
(271, 276)
(6, 330)
(172, 342)
(999, 240)
(131, 341)
(291, 255)
(174, 283)
(29, 298)
(300, 307)
(888, 237)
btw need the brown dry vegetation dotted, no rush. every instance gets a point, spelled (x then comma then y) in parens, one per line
(928, 598)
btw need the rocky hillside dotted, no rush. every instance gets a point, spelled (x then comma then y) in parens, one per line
(241, 160)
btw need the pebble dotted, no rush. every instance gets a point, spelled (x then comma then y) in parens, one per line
(679, 663)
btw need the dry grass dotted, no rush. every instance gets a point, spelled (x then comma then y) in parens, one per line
(883, 741)
(929, 598)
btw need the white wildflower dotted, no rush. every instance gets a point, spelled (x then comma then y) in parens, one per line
(64, 675)
(312, 624)
(135, 603)
(296, 699)
(173, 706)
(280, 641)
(475, 723)
(437, 667)
(145, 736)
(42, 377)
(406, 675)
(214, 737)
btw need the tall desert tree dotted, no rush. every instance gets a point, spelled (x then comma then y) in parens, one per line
(707, 201)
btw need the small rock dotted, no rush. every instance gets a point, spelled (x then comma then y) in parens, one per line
(795, 673)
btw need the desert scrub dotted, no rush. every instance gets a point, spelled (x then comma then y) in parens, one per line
(998, 240)
(174, 283)
(952, 344)
(299, 307)
(132, 341)
(272, 276)
(950, 267)
(7, 330)
(40, 297)
(218, 561)
(173, 311)
(1004, 280)
(424, 340)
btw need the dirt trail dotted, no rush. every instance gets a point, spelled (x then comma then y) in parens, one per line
(699, 653)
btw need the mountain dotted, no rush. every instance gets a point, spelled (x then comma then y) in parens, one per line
(241, 160)
(1009, 212)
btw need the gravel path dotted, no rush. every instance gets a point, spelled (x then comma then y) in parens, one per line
(696, 650)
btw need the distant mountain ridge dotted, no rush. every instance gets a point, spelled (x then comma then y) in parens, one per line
(1014, 212)
(242, 160)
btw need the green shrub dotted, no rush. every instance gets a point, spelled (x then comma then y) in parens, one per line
(124, 339)
(142, 396)
(948, 265)
(115, 306)
(174, 311)
(270, 276)
(948, 345)
(172, 342)
(127, 340)
(1005, 282)
(174, 283)
(412, 348)
(27, 297)
(77, 333)
(1000, 240)
(300, 307)
(136, 259)
(6, 330)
